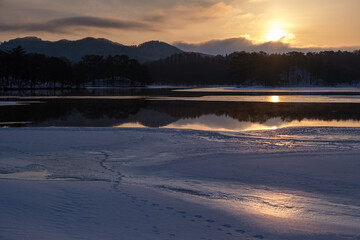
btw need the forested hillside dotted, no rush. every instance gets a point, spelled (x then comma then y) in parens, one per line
(259, 68)
(19, 69)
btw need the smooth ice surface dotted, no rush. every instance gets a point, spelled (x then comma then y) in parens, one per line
(209, 98)
(269, 99)
(106, 183)
(8, 103)
(272, 89)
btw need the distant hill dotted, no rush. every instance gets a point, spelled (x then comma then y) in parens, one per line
(75, 50)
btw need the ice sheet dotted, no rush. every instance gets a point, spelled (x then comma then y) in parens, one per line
(91, 183)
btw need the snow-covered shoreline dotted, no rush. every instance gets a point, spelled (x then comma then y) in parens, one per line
(293, 183)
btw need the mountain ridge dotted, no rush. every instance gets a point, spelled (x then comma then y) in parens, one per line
(74, 50)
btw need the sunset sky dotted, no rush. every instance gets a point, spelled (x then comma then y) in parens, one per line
(305, 23)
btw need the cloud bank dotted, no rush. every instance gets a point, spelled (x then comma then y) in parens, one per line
(66, 24)
(238, 44)
(144, 21)
(230, 45)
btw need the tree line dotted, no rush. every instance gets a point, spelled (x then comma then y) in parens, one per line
(19, 69)
(259, 68)
(23, 70)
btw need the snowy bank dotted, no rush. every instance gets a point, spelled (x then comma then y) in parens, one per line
(96, 183)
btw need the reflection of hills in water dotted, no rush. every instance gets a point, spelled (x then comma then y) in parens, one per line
(102, 113)
(176, 92)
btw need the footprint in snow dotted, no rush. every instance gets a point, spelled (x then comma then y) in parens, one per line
(226, 225)
(259, 236)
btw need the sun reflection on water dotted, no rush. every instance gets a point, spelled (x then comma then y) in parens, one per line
(274, 99)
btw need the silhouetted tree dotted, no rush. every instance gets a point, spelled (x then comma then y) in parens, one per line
(21, 70)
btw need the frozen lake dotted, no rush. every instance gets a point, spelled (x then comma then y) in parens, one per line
(180, 164)
(91, 183)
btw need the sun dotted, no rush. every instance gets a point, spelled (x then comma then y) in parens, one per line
(275, 35)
